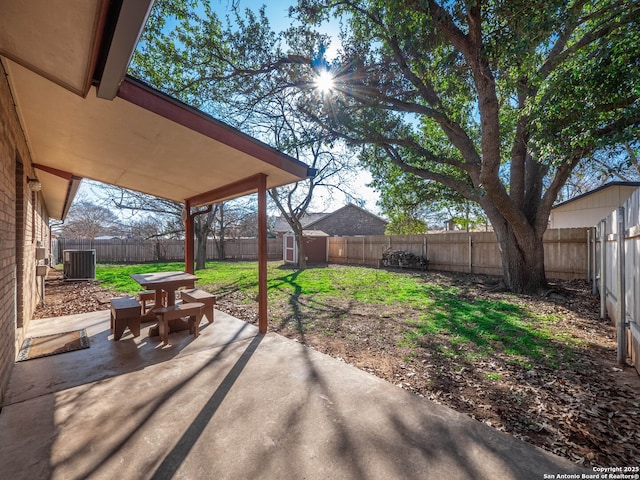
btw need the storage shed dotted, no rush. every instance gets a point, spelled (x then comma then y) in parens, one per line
(316, 247)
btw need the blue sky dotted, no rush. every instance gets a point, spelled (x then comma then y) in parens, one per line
(278, 14)
(276, 11)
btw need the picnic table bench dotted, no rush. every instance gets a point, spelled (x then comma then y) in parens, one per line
(125, 312)
(198, 295)
(175, 312)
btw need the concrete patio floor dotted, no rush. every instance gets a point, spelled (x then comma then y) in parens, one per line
(234, 404)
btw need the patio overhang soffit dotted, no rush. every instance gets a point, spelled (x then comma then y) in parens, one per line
(82, 118)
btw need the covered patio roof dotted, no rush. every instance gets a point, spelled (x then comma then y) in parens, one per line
(82, 118)
(66, 61)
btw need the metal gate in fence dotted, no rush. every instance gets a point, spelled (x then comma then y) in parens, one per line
(616, 259)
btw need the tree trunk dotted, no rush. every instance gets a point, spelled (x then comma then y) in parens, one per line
(302, 256)
(201, 250)
(221, 254)
(160, 256)
(522, 260)
(201, 231)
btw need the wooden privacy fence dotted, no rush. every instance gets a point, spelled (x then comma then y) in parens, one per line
(566, 251)
(616, 260)
(143, 251)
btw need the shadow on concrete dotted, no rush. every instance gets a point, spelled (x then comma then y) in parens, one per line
(173, 460)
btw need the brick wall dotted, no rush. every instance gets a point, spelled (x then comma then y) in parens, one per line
(349, 221)
(23, 222)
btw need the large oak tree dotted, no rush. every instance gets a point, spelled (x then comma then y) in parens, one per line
(496, 100)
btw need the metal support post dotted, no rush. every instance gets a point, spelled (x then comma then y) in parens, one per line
(603, 270)
(622, 307)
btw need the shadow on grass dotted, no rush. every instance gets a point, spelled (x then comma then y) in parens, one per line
(432, 315)
(483, 327)
(232, 287)
(248, 283)
(294, 298)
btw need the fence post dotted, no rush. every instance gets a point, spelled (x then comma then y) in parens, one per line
(363, 251)
(594, 286)
(621, 306)
(588, 255)
(426, 248)
(603, 269)
(346, 250)
(470, 256)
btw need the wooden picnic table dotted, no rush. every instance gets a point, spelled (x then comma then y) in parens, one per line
(169, 282)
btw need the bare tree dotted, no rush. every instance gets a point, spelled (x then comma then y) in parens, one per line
(307, 142)
(166, 215)
(88, 220)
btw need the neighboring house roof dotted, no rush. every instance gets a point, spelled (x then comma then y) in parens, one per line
(348, 207)
(281, 225)
(314, 233)
(596, 190)
(328, 222)
(84, 119)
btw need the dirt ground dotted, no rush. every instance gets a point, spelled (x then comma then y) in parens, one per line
(587, 410)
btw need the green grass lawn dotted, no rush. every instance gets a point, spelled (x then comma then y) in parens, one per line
(463, 325)
(362, 284)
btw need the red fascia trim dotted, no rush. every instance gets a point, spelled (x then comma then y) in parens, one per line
(241, 187)
(54, 171)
